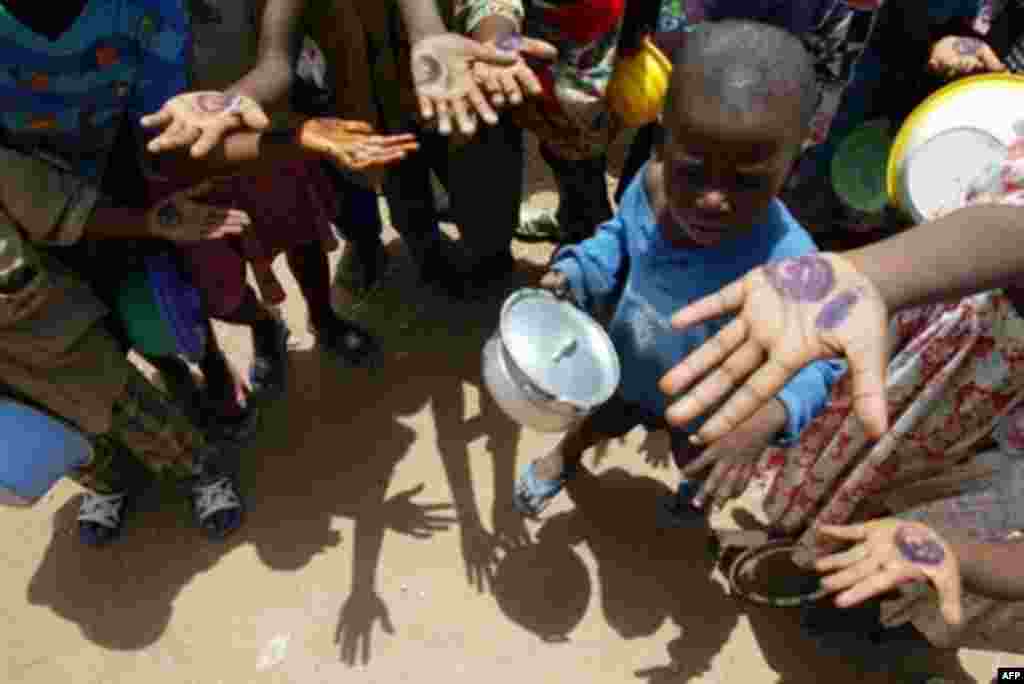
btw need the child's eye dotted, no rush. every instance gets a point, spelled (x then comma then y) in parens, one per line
(692, 171)
(746, 181)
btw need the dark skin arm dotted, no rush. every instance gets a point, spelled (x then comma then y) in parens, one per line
(280, 40)
(970, 250)
(248, 151)
(422, 19)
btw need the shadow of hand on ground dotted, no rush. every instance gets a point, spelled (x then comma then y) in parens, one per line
(646, 575)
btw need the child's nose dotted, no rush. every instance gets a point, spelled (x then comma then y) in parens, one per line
(714, 201)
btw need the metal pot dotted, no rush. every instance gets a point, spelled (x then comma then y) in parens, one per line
(548, 365)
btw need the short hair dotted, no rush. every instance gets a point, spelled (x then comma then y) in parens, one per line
(748, 66)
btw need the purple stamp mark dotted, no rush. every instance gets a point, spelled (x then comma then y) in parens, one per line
(510, 42)
(967, 47)
(211, 103)
(919, 547)
(807, 278)
(836, 310)
(428, 71)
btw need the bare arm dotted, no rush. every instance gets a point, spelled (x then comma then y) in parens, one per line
(270, 80)
(992, 569)
(422, 19)
(970, 250)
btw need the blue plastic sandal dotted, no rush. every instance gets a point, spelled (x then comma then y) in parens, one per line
(533, 495)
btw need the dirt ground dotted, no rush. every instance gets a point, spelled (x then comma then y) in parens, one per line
(352, 567)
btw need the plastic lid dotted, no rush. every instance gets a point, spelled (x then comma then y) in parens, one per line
(859, 167)
(562, 350)
(938, 175)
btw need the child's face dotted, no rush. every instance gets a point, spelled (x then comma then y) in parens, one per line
(719, 175)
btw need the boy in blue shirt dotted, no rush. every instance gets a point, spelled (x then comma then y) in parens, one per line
(701, 213)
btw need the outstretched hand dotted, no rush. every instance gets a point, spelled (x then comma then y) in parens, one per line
(446, 84)
(181, 218)
(510, 84)
(353, 145)
(355, 626)
(201, 119)
(787, 314)
(887, 553)
(956, 56)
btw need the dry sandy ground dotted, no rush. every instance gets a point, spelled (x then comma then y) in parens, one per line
(337, 575)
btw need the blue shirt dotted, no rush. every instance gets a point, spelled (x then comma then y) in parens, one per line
(67, 97)
(632, 273)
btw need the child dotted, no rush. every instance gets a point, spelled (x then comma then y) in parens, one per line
(702, 212)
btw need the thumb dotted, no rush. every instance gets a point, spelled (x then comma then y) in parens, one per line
(199, 190)
(950, 604)
(852, 533)
(539, 49)
(868, 367)
(358, 127)
(989, 59)
(489, 53)
(254, 117)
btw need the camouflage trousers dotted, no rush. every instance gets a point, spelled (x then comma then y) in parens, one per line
(150, 436)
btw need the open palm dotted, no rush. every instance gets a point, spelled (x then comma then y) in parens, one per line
(353, 145)
(788, 314)
(200, 120)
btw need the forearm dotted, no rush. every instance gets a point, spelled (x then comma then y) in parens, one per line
(422, 18)
(280, 39)
(971, 250)
(268, 83)
(992, 569)
(248, 151)
(117, 223)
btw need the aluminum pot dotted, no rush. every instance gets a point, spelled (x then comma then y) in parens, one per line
(548, 365)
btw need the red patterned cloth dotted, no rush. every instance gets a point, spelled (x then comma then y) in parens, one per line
(958, 369)
(291, 207)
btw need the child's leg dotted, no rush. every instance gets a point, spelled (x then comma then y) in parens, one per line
(309, 265)
(161, 440)
(360, 224)
(568, 454)
(269, 342)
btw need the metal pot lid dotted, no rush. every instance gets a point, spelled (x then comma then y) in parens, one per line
(562, 350)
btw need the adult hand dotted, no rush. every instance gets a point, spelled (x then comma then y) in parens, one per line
(507, 84)
(353, 145)
(886, 554)
(201, 119)
(788, 314)
(442, 69)
(732, 458)
(179, 218)
(956, 56)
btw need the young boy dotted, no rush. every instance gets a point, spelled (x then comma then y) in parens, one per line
(701, 213)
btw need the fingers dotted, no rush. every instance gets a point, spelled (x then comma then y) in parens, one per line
(852, 575)
(875, 584)
(444, 117)
(359, 127)
(857, 532)
(845, 559)
(254, 117)
(161, 117)
(703, 359)
(510, 85)
(710, 457)
(208, 139)
(868, 365)
(529, 81)
(989, 60)
(712, 484)
(539, 49)
(727, 300)
(490, 54)
(744, 402)
(947, 583)
(385, 621)
(488, 78)
(481, 106)
(463, 118)
(426, 108)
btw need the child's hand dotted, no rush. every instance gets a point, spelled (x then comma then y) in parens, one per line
(201, 119)
(507, 84)
(733, 456)
(353, 145)
(557, 283)
(956, 56)
(887, 553)
(179, 218)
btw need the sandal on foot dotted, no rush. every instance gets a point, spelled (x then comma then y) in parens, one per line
(532, 495)
(101, 517)
(269, 371)
(349, 342)
(217, 506)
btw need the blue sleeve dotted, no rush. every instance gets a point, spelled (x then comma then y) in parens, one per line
(596, 266)
(166, 47)
(806, 395)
